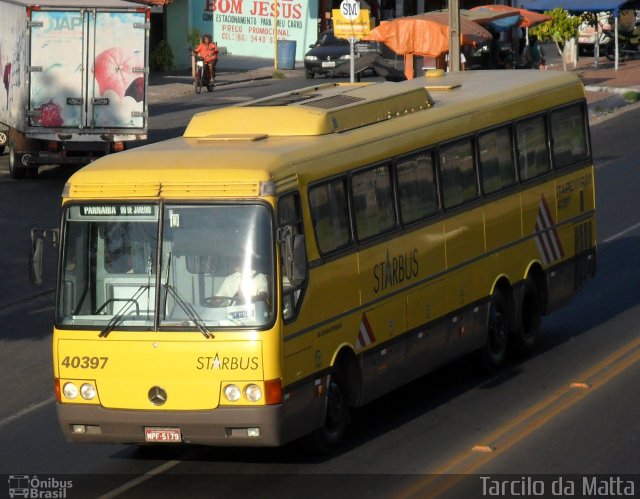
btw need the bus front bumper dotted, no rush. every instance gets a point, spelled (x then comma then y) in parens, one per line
(225, 426)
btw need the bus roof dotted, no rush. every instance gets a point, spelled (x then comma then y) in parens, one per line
(234, 150)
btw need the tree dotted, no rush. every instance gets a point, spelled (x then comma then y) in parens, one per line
(562, 28)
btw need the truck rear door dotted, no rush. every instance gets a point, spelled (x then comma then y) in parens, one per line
(88, 70)
(117, 88)
(56, 69)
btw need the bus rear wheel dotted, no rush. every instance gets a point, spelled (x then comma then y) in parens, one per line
(334, 428)
(527, 333)
(494, 352)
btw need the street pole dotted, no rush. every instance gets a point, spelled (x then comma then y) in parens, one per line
(454, 35)
(275, 35)
(352, 59)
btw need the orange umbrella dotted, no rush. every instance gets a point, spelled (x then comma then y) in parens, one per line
(528, 19)
(426, 34)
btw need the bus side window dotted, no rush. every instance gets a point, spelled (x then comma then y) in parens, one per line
(497, 166)
(330, 213)
(417, 187)
(290, 215)
(458, 173)
(569, 136)
(531, 140)
(373, 202)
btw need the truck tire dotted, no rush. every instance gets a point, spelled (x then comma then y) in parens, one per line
(3, 141)
(16, 169)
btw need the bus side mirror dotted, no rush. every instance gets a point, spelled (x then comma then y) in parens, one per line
(294, 256)
(36, 250)
(299, 268)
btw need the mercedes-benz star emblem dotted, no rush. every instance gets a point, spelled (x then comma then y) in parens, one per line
(157, 395)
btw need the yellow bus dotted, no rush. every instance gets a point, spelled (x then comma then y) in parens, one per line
(293, 257)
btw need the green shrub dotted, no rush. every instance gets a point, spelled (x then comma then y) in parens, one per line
(161, 58)
(193, 38)
(631, 96)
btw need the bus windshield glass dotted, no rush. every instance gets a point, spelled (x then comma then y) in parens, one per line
(108, 265)
(215, 267)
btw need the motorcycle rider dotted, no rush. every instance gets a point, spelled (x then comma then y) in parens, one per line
(208, 50)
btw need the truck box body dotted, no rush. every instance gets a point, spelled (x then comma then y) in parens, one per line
(73, 72)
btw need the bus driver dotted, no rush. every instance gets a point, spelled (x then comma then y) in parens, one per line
(244, 284)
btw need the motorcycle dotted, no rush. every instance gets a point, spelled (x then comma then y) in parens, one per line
(628, 45)
(202, 76)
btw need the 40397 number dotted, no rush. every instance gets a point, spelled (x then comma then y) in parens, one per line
(85, 362)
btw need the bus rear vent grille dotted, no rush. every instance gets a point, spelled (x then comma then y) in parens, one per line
(333, 101)
(583, 237)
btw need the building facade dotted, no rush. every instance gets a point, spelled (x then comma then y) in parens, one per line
(246, 27)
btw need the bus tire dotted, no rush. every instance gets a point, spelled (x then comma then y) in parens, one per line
(494, 352)
(526, 336)
(337, 417)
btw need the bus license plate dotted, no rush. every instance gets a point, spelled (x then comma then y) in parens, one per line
(162, 435)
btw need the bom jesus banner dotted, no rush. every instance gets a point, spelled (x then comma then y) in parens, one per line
(248, 27)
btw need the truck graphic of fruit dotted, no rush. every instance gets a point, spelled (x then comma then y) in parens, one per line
(50, 115)
(114, 69)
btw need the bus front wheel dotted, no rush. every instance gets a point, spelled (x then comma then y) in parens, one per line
(334, 428)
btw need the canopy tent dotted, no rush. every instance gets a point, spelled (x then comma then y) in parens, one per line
(426, 34)
(528, 18)
(585, 6)
(576, 5)
(502, 24)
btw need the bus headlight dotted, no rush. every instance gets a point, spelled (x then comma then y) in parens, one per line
(232, 392)
(70, 391)
(88, 391)
(253, 393)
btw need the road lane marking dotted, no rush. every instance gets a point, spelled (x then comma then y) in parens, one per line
(25, 411)
(26, 299)
(140, 480)
(524, 424)
(621, 233)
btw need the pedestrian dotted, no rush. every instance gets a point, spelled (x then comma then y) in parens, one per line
(534, 54)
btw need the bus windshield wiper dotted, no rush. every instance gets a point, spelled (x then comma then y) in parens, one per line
(117, 318)
(189, 310)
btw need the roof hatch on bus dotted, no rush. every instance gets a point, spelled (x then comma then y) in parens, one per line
(320, 110)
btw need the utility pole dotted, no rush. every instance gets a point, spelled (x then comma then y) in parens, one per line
(454, 35)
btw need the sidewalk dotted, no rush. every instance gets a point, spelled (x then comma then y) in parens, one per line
(230, 69)
(605, 87)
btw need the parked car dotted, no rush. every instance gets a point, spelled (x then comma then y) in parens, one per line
(329, 53)
(587, 31)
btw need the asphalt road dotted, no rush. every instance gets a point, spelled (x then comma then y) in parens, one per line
(573, 408)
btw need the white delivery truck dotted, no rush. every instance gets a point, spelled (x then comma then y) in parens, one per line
(75, 80)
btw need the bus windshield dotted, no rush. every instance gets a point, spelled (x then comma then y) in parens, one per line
(216, 266)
